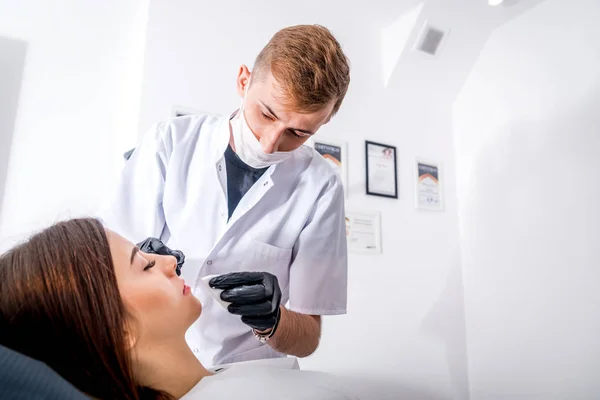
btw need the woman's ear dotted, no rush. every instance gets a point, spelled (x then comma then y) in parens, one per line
(131, 337)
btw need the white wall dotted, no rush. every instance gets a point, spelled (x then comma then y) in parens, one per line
(528, 143)
(78, 106)
(12, 63)
(405, 325)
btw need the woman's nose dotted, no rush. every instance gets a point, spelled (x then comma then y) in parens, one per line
(168, 265)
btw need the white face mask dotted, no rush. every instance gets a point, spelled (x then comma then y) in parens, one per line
(248, 148)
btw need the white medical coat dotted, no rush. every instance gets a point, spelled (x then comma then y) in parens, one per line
(290, 223)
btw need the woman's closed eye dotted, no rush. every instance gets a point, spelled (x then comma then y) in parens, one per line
(150, 265)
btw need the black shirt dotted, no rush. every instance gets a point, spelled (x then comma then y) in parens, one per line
(240, 178)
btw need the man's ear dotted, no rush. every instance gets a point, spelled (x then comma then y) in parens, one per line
(243, 80)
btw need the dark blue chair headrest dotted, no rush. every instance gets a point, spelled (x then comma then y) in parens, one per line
(23, 378)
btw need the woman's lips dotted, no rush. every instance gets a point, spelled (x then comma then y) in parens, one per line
(186, 289)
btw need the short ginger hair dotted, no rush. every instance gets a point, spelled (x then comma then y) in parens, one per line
(309, 65)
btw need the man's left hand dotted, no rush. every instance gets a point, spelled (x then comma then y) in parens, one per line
(255, 296)
(155, 246)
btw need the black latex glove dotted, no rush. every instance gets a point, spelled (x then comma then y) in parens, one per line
(155, 246)
(253, 295)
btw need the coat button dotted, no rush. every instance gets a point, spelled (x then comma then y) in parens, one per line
(209, 262)
(220, 167)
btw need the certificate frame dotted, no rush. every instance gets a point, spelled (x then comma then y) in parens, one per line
(321, 147)
(394, 154)
(354, 243)
(420, 202)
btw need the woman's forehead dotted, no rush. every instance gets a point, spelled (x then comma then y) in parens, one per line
(120, 249)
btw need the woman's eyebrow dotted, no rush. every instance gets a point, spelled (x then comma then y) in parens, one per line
(134, 251)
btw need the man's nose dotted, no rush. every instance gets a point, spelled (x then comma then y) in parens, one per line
(270, 140)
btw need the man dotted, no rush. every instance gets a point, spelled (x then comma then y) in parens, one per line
(245, 200)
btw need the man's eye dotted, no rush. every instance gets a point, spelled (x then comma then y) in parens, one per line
(297, 135)
(265, 116)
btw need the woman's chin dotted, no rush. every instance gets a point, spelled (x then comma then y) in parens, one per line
(197, 309)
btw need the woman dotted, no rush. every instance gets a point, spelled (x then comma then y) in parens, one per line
(111, 320)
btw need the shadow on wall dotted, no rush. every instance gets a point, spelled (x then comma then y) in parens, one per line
(446, 323)
(12, 64)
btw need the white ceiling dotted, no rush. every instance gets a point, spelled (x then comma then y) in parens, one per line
(469, 23)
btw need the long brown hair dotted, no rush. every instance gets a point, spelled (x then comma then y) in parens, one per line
(60, 304)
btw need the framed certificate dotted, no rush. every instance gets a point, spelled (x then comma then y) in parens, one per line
(382, 175)
(335, 155)
(429, 193)
(363, 232)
